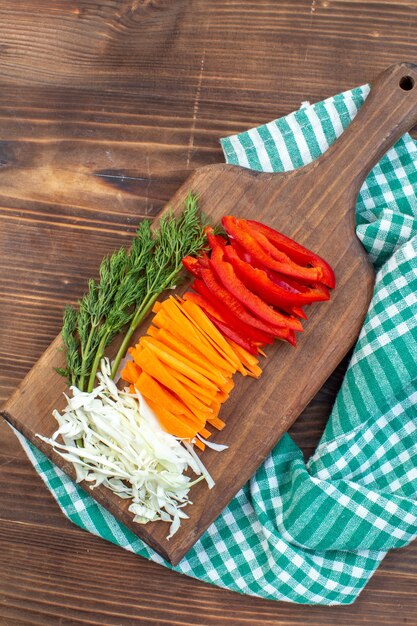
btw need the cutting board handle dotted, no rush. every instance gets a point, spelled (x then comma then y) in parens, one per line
(389, 111)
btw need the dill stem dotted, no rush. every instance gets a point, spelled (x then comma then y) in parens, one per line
(141, 312)
(96, 362)
(84, 357)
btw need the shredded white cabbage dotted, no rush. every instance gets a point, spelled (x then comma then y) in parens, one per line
(114, 439)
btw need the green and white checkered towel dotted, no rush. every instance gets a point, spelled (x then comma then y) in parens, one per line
(315, 533)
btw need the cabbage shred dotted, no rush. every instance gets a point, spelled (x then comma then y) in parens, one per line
(114, 439)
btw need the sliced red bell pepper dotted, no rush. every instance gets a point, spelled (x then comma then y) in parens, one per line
(214, 306)
(235, 305)
(258, 281)
(192, 264)
(292, 338)
(295, 251)
(239, 231)
(315, 292)
(297, 310)
(229, 332)
(214, 240)
(226, 274)
(286, 334)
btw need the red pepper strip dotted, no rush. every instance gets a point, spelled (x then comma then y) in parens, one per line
(254, 303)
(291, 338)
(232, 303)
(258, 281)
(240, 232)
(214, 240)
(297, 310)
(215, 307)
(192, 265)
(316, 292)
(229, 332)
(296, 251)
(245, 257)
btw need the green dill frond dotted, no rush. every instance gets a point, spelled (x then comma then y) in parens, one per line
(128, 284)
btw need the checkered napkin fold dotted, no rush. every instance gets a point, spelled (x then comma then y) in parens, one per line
(314, 533)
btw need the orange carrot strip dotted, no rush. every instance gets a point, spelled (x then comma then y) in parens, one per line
(248, 360)
(160, 395)
(168, 342)
(221, 396)
(150, 363)
(196, 314)
(215, 406)
(156, 307)
(204, 433)
(202, 321)
(171, 318)
(187, 333)
(152, 331)
(228, 386)
(199, 444)
(216, 422)
(171, 423)
(130, 372)
(204, 395)
(172, 340)
(203, 326)
(182, 364)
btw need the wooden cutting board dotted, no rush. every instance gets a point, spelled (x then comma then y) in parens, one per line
(314, 205)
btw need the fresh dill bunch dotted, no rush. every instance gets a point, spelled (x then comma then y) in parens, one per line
(175, 238)
(128, 285)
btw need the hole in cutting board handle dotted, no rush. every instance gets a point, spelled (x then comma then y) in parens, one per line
(406, 83)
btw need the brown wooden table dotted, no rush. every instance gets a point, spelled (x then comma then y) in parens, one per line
(104, 109)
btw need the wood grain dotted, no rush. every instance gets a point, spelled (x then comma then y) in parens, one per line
(67, 88)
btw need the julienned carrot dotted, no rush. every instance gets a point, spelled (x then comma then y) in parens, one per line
(202, 302)
(153, 390)
(172, 423)
(194, 313)
(199, 373)
(184, 367)
(181, 328)
(221, 396)
(227, 387)
(206, 410)
(200, 319)
(248, 360)
(215, 406)
(199, 444)
(216, 422)
(150, 363)
(165, 355)
(186, 349)
(202, 394)
(204, 433)
(130, 372)
(196, 352)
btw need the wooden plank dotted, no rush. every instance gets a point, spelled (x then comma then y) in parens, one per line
(69, 583)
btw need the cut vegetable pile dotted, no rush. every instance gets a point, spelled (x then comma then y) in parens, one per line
(184, 368)
(250, 287)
